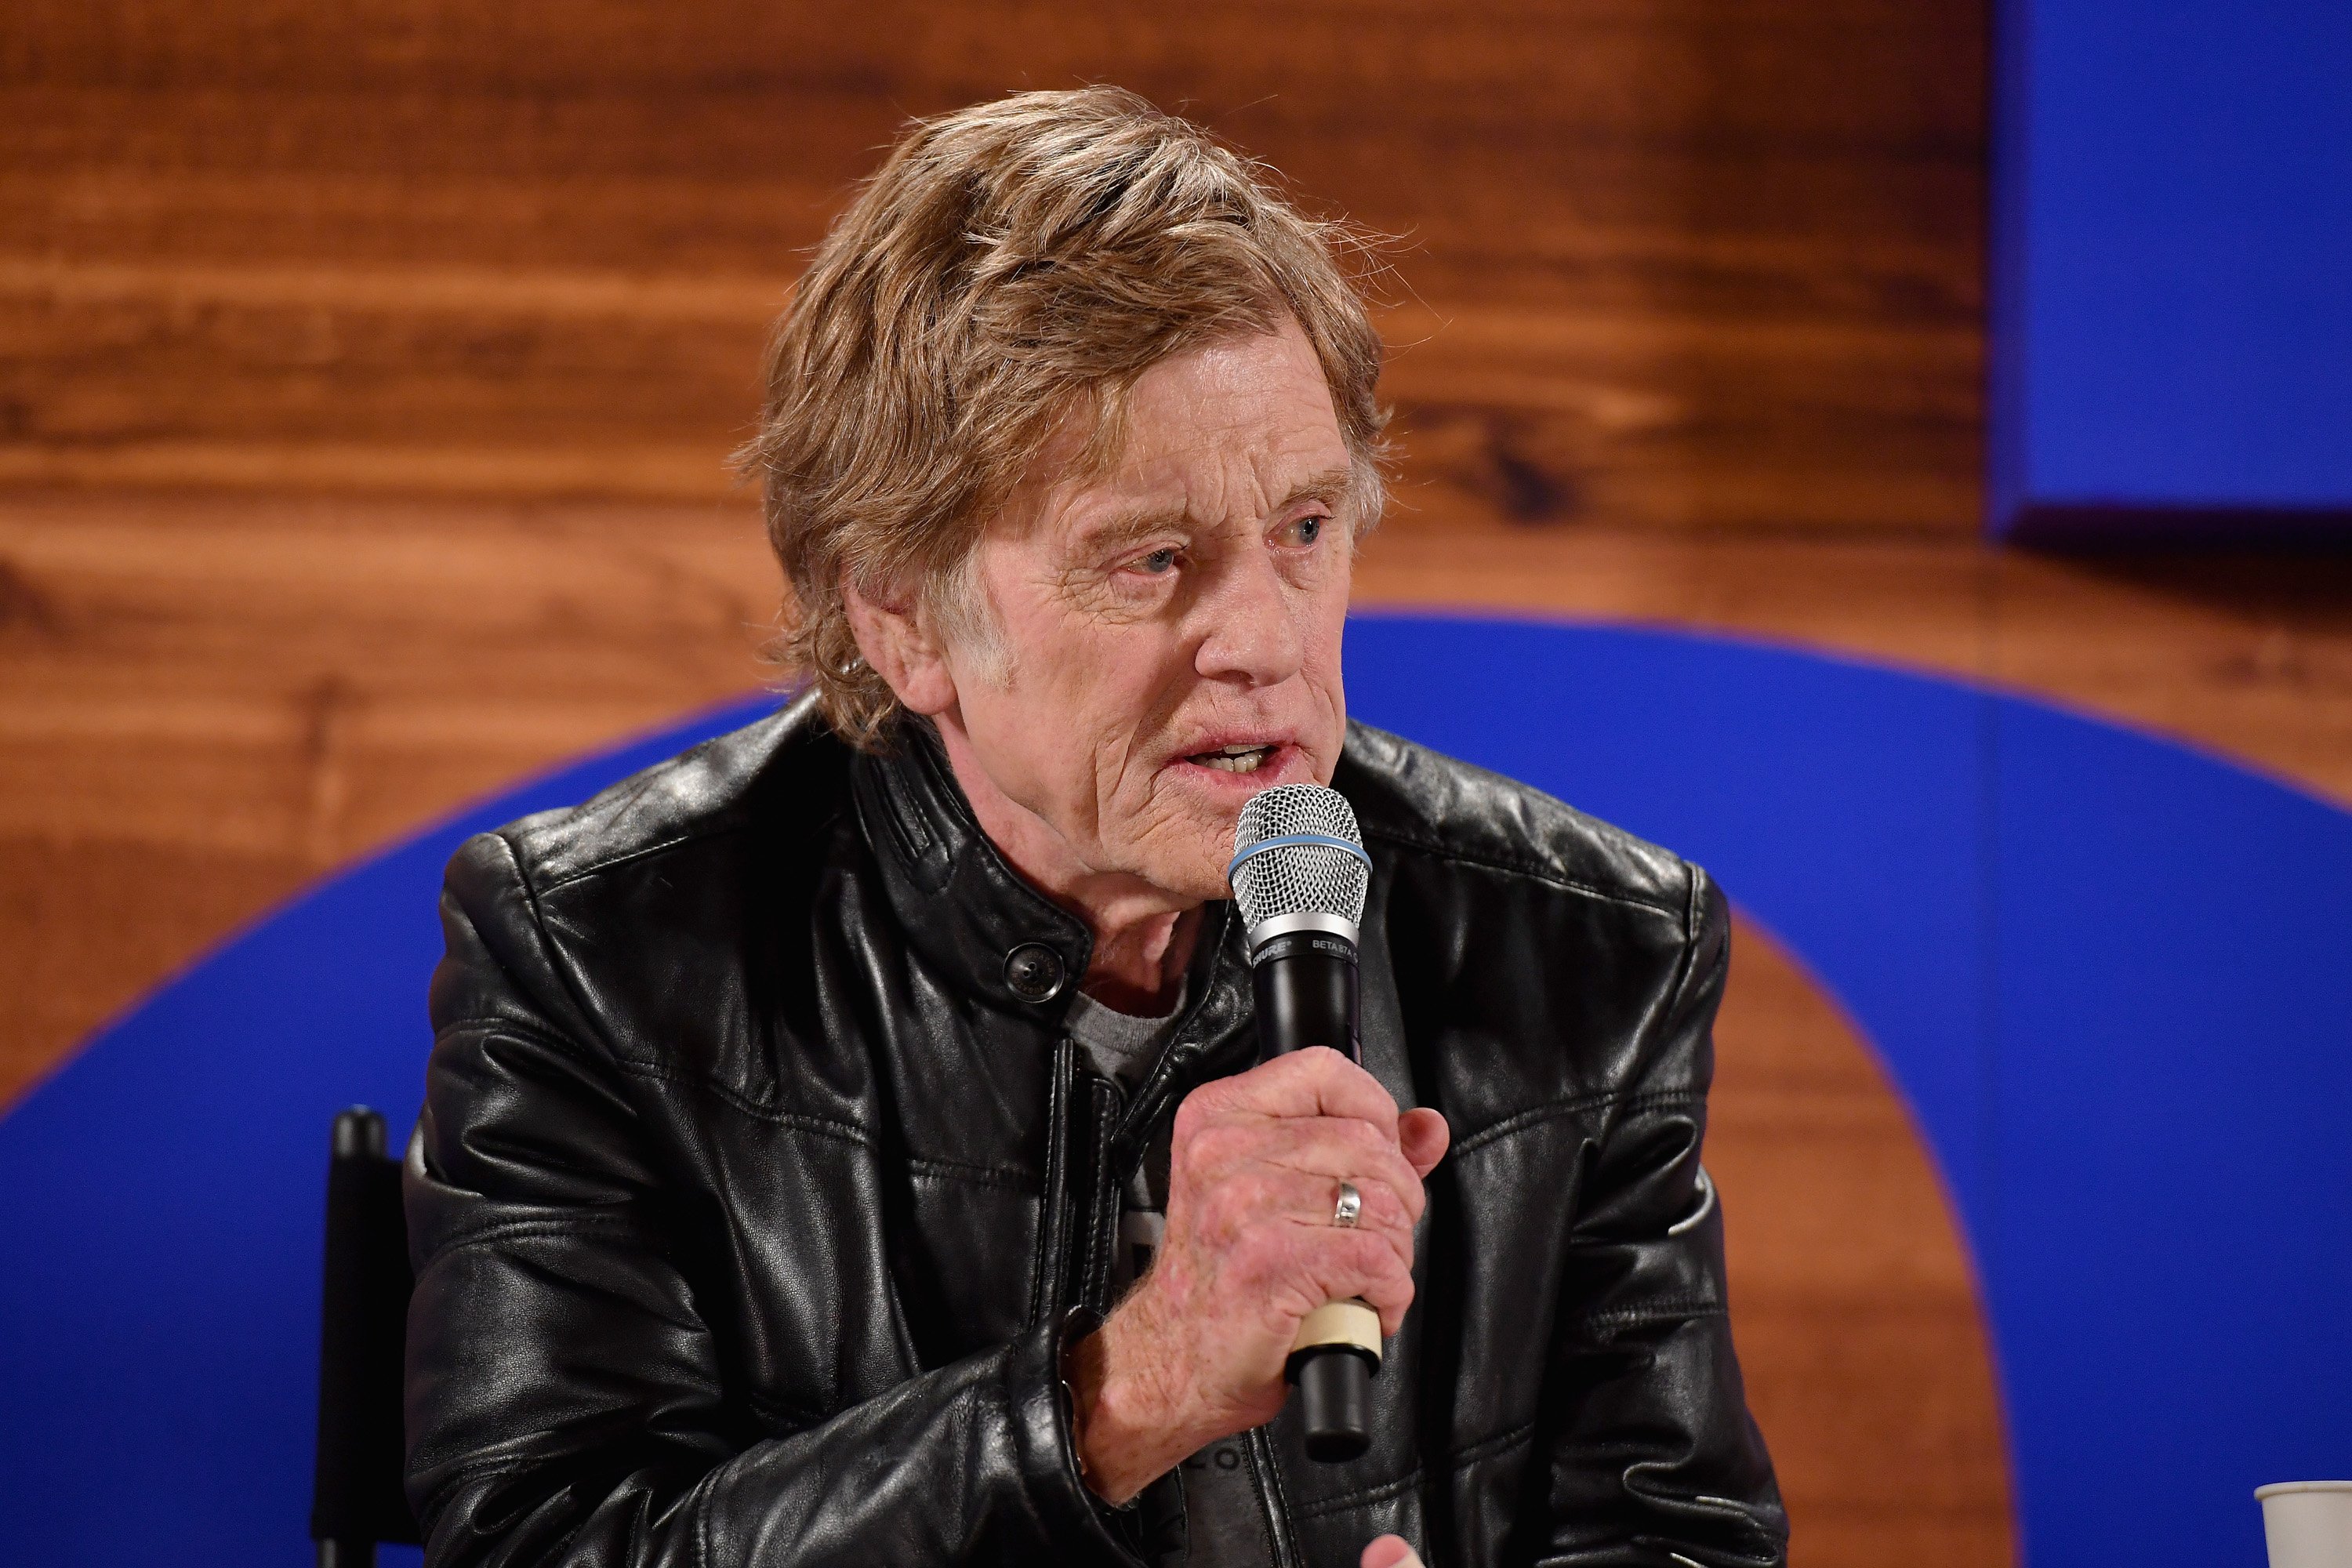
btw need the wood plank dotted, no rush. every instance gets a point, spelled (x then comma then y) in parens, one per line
(594, 384)
(1731, 248)
(239, 652)
(2248, 655)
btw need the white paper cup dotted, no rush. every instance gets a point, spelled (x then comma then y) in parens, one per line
(2307, 1523)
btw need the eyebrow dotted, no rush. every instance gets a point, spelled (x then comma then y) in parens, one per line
(1124, 528)
(1331, 485)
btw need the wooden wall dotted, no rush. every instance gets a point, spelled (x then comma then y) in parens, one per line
(366, 375)
(1690, 264)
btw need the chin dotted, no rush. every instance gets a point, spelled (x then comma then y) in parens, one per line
(1198, 879)
(1185, 854)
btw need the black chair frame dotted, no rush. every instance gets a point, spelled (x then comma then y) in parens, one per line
(355, 1498)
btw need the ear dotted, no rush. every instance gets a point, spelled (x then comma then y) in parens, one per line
(892, 636)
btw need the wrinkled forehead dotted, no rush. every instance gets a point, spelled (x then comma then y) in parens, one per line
(1224, 434)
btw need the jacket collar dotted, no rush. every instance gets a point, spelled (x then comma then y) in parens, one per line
(971, 916)
(960, 904)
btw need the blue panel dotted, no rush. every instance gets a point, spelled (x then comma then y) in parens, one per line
(2175, 1237)
(2173, 227)
(1840, 802)
(2103, 970)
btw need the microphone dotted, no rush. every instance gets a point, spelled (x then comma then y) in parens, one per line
(1298, 875)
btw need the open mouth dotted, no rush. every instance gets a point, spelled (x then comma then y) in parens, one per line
(1233, 759)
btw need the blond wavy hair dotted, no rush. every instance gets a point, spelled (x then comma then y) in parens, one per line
(1009, 264)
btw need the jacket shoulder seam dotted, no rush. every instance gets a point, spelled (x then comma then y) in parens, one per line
(1533, 870)
(642, 851)
(735, 822)
(556, 967)
(1691, 913)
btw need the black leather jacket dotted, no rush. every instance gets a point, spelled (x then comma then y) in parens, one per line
(759, 1186)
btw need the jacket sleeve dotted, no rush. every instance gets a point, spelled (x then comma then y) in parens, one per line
(566, 1404)
(1655, 1459)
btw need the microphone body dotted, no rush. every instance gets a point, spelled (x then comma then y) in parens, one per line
(1300, 874)
(1308, 993)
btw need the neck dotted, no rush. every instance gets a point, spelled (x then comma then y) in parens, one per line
(1139, 969)
(1143, 934)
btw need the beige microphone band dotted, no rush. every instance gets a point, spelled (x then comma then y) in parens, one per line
(1349, 1322)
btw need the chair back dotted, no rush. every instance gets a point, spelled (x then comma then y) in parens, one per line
(355, 1498)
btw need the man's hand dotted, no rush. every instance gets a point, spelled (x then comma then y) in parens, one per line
(1196, 1350)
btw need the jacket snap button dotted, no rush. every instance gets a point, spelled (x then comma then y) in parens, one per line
(1033, 971)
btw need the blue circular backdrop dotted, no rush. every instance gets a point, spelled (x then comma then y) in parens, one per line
(2107, 973)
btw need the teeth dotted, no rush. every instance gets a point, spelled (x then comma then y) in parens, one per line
(1235, 759)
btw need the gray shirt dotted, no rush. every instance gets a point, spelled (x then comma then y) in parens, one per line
(1224, 1516)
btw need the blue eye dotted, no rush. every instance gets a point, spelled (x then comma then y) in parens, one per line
(1158, 561)
(1310, 529)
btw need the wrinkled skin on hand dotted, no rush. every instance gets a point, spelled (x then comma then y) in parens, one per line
(1195, 1353)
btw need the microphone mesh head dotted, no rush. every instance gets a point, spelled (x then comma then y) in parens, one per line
(1298, 878)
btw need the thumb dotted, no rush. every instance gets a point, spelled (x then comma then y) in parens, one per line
(1423, 1138)
(1390, 1551)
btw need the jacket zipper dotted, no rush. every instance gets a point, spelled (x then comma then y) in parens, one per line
(1079, 1227)
(1104, 1198)
(1046, 1287)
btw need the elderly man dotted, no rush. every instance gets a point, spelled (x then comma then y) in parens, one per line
(848, 1144)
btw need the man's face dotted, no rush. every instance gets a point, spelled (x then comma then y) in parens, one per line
(1169, 631)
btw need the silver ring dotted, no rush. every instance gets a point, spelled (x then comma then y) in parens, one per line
(1349, 1208)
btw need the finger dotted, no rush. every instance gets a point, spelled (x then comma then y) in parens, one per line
(1292, 1216)
(1290, 1269)
(1332, 1150)
(1300, 1173)
(1389, 1551)
(1318, 1081)
(1423, 1136)
(1300, 1161)
(1380, 1215)
(1333, 1264)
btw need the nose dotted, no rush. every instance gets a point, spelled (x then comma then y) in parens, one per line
(1251, 631)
